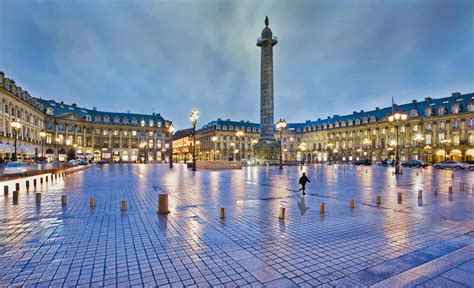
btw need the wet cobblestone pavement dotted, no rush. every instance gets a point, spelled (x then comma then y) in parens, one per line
(427, 242)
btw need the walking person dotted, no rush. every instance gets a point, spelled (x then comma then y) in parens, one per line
(303, 180)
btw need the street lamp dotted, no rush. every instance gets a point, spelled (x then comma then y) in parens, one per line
(42, 134)
(446, 142)
(397, 119)
(16, 125)
(171, 130)
(214, 140)
(254, 141)
(280, 125)
(194, 117)
(240, 134)
(232, 145)
(302, 148)
(418, 139)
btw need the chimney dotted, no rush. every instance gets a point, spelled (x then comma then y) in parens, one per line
(74, 105)
(456, 94)
(414, 101)
(377, 108)
(62, 102)
(354, 112)
(94, 108)
(361, 111)
(427, 99)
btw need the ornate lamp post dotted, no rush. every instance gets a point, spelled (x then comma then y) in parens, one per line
(397, 119)
(418, 139)
(240, 134)
(42, 134)
(280, 125)
(171, 130)
(302, 148)
(214, 140)
(16, 125)
(445, 142)
(232, 145)
(254, 141)
(194, 117)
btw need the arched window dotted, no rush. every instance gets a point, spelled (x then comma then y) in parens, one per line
(428, 111)
(413, 113)
(441, 110)
(456, 108)
(470, 107)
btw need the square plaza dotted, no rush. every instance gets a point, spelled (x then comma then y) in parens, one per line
(425, 241)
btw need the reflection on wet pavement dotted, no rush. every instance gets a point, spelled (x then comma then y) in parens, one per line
(49, 244)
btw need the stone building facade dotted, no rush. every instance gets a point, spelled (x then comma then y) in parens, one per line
(74, 132)
(360, 135)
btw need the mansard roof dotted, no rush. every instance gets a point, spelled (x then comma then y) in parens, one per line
(60, 109)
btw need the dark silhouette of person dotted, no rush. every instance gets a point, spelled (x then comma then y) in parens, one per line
(303, 181)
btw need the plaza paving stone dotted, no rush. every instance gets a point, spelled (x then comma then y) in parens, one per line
(426, 242)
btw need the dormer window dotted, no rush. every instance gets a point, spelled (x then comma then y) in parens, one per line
(455, 108)
(373, 119)
(365, 120)
(428, 112)
(125, 120)
(413, 113)
(49, 111)
(357, 122)
(88, 118)
(97, 119)
(142, 123)
(116, 119)
(441, 111)
(106, 119)
(150, 123)
(470, 107)
(134, 120)
(350, 122)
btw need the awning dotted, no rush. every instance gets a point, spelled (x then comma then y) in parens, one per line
(25, 149)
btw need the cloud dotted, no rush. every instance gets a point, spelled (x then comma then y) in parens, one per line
(333, 57)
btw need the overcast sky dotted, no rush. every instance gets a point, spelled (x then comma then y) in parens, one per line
(333, 57)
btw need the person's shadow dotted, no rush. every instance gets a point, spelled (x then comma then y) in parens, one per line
(302, 205)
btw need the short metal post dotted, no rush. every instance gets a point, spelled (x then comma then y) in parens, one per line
(353, 204)
(27, 185)
(64, 200)
(435, 191)
(5, 190)
(379, 200)
(17, 186)
(462, 187)
(46, 177)
(163, 204)
(450, 190)
(15, 195)
(420, 194)
(400, 199)
(38, 198)
(124, 206)
(35, 183)
(41, 180)
(322, 208)
(282, 213)
(223, 214)
(92, 202)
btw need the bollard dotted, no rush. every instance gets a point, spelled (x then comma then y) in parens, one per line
(52, 177)
(163, 204)
(420, 194)
(92, 202)
(365, 171)
(452, 175)
(222, 213)
(322, 208)
(379, 200)
(38, 198)
(56, 176)
(64, 200)
(35, 183)
(46, 178)
(17, 186)
(282, 213)
(15, 195)
(27, 185)
(400, 198)
(416, 173)
(450, 190)
(435, 191)
(41, 180)
(353, 204)
(462, 187)
(5, 190)
(124, 206)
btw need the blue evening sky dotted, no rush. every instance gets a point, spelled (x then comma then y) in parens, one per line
(333, 57)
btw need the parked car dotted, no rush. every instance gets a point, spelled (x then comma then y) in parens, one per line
(72, 163)
(16, 168)
(83, 162)
(364, 162)
(469, 165)
(414, 163)
(450, 165)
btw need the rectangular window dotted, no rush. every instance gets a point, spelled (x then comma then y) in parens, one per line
(428, 139)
